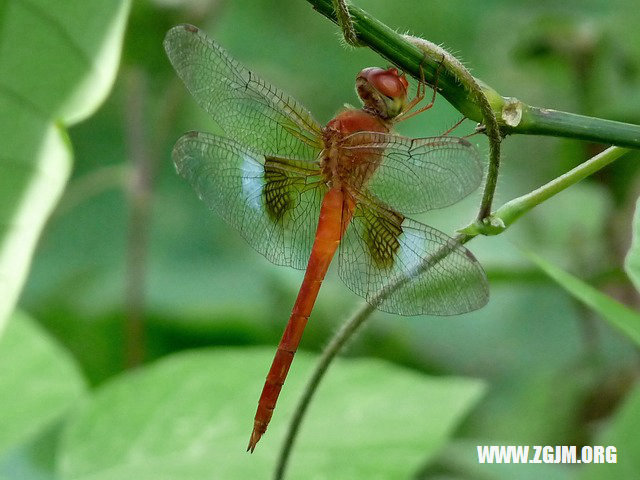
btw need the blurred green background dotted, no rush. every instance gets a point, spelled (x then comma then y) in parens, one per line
(129, 240)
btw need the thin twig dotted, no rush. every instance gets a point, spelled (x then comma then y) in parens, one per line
(342, 336)
(144, 158)
(492, 128)
(514, 110)
(513, 115)
(508, 213)
(139, 194)
(514, 209)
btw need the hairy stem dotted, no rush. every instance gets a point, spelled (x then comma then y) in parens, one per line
(505, 216)
(346, 332)
(513, 115)
(504, 115)
(345, 23)
(492, 129)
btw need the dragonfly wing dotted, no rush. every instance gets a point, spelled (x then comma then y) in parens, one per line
(246, 107)
(381, 247)
(414, 175)
(274, 202)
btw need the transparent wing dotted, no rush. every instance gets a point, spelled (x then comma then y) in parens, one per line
(274, 202)
(381, 247)
(246, 107)
(416, 175)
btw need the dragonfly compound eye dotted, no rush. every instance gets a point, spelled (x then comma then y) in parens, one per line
(383, 91)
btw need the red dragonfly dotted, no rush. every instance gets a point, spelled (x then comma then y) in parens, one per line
(296, 191)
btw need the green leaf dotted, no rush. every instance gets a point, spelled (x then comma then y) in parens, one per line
(622, 433)
(617, 314)
(632, 261)
(38, 381)
(57, 63)
(34, 459)
(60, 59)
(189, 416)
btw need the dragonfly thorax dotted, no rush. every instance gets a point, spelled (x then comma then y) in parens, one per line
(341, 164)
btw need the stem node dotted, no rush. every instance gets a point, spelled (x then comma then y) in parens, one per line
(511, 113)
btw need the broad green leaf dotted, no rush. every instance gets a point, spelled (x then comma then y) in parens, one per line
(189, 416)
(34, 459)
(57, 63)
(30, 185)
(38, 381)
(622, 433)
(632, 261)
(59, 59)
(618, 315)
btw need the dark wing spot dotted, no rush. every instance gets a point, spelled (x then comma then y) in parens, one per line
(277, 190)
(381, 237)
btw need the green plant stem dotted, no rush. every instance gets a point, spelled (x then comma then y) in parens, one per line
(403, 53)
(513, 115)
(345, 23)
(507, 214)
(456, 69)
(471, 84)
(347, 330)
(544, 121)
(139, 196)
(514, 209)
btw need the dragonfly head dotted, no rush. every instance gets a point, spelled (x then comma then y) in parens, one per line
(383, 92)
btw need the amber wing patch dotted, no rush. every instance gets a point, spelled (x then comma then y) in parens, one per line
(381, 237)
(277, 194)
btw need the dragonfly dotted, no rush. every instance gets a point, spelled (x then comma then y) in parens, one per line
(299, 192)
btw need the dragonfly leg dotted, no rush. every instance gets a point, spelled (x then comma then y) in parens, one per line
(415, 100)
(456, 125)
(420, 94)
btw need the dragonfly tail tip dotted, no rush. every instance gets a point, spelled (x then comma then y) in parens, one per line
(255, 437)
